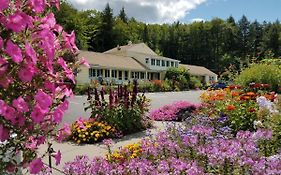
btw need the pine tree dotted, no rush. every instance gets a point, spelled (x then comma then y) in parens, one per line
(123, 16)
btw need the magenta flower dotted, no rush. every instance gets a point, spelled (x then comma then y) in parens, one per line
(18, 21)
(4, 4)
(30, 52)
(14, 52)
(58, 114)
(4, 133)
(43, 99)
(26, 74)
(8, 112)
(48, 22)
(1, 40)
(35, 166)
(20, 105)
(38, 6)
(84, 62)
(38, 114)
(58, 157)
(3, 65)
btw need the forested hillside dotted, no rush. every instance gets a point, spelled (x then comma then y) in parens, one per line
(215, 44)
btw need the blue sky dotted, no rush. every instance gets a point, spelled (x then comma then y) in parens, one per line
(168, 11)
(268, 10)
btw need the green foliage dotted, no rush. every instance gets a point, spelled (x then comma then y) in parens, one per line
(194, 83)
(261, 73)
(179, 77)
(124, 110)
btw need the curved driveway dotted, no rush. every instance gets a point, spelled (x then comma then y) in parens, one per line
(76, 107)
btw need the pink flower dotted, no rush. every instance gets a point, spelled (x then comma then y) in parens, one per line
(18, 21)
(26, 74)
(58, 114)
(43, 99)
(69, 40)
(48, 22)
(20, 105)
(37, 6)
(84, 62)
(3, 65)
(4, 4)
(38, 114)
(30, 52)
(63, 133)
(1, 42)
(8, 112)
(35, 166)
(58, 158)
(56, 3)
(14, 52)
(6, 81)
(20, 120)
(64, 106)
(4, 133)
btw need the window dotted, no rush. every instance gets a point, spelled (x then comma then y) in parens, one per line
(99, 73)
(172, 64)
(106, 73)
(114, 73)
(158, 62)
(163, 63)
(147, 60)
(142, 75)
(92, 72)
(168, 63)
(132, 74)
(153, 62)
(126, 75)
(119, 75)
(177, 64)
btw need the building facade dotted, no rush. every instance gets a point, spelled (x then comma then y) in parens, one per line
(124, 63)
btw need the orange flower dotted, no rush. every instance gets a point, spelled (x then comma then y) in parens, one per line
(230, 107)
(234, 94)
(245, 97)
(250, 93)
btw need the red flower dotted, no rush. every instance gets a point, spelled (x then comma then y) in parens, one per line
(230, 107)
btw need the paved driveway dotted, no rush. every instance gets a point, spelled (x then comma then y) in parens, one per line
(76, 108)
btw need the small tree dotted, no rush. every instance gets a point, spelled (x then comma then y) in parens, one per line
(179, 77)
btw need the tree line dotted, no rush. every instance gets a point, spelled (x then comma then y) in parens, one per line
(215, 44)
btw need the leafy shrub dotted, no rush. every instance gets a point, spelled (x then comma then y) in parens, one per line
(124, 110)
(261, 73)
(91, 131)
(194, 83)
(179, 77)
(173, 112)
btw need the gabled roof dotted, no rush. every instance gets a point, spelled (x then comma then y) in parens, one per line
(198, 70)
(137, 48)
(111, 61)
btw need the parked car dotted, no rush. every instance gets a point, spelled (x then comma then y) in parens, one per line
(218, 85)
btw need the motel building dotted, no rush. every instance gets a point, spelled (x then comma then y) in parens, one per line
(133, 61)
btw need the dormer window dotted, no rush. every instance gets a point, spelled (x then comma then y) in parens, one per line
(147, 60)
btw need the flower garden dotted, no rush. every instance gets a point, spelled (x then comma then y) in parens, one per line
(233, 131)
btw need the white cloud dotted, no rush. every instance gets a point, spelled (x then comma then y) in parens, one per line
(197, 20)
(151, 11)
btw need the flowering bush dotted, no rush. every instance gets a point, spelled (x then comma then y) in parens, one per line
(176, 111)
(37, 58)
(197, 150)
(124, 110)
(91, 131)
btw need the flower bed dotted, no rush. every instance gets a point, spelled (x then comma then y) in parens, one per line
(176, 111)
(198, 150)
(91, 131)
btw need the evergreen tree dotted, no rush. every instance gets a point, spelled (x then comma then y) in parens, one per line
(122, 15)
